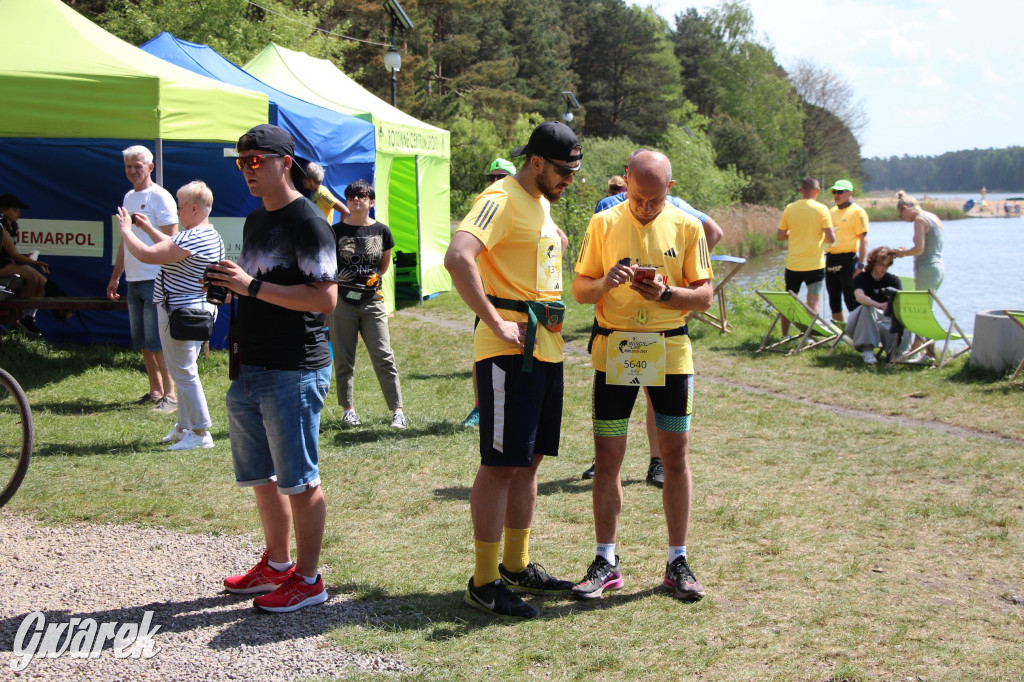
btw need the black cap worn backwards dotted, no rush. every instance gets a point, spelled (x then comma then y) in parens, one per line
(552, 140)
(268, 138)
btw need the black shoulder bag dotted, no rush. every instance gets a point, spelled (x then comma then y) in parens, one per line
(187, 324)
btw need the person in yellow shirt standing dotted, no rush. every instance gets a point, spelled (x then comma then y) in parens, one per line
(846, 258)
(516, 291)
(320, 195)
(806, 225)
(640, 339)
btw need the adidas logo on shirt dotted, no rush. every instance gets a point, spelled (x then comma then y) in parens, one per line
(671, 253)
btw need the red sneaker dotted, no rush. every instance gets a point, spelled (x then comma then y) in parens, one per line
(293, 595)
(260, 578)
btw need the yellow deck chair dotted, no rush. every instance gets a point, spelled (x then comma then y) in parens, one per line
(721, 320)
(1018, 317)
(814, 329)
(913, 310)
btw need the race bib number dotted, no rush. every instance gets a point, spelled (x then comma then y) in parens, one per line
(549, 263)
(635, 359)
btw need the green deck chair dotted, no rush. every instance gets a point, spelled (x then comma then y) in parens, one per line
(913, 310)
(814, 329)
(1018, 317)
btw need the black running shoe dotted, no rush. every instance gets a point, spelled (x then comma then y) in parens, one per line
(28, 325)
(656, 473)
(498, 599)
(680, 578)
(534, 580)
(588, 475)
(600, 576)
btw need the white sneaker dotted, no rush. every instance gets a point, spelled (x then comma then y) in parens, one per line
(398, 421)
(174, 435)
(193, 441)
(350, 418)
(869, 357)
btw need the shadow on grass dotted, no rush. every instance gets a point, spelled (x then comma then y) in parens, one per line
(373, 433)
(82, 406)
(35, 363)
(562, 485)
(445, 616)
(231, 615)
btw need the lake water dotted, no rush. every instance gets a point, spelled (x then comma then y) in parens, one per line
(983, 259)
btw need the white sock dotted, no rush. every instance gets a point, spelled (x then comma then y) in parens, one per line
(280, 567)
(310, 581)
(676, 551)
(607, 551)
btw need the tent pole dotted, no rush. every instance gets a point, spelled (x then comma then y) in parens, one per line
(419, 234)
(158, 154)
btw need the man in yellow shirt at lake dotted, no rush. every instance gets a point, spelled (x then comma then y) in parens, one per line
(846, 258)
(806, 225)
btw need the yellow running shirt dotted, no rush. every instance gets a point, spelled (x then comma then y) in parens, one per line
(850, 223)
(325, 201)
(521, 261)
(806, 221)
(674, 244)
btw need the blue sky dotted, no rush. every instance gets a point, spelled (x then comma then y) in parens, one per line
(935, 75)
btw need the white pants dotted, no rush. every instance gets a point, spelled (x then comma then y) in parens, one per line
(182, 364)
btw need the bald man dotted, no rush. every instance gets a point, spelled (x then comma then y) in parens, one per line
(645, 265)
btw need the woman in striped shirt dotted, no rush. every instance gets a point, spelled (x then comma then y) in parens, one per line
(183, 259)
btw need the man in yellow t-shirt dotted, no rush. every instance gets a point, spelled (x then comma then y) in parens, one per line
(845, 259)
(510, 234)
(806, 225)
(640, 339)
(320, 195)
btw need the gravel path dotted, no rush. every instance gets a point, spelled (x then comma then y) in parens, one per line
(116, 573)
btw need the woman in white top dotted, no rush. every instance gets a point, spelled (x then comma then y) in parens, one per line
(183, 259)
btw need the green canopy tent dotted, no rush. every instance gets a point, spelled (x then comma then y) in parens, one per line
(412, 178)
(74, 97)
(87, 83)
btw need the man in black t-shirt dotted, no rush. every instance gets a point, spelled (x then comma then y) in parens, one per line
(870, 324)
(285, 285)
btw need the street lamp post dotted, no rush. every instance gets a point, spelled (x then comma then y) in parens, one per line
(392, 58)
(570, 104)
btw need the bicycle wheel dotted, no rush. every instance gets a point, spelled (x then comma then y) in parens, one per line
(15, 436)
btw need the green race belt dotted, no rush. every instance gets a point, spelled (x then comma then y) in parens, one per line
(549, 313)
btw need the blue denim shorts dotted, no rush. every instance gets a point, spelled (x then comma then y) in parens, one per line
(142, 316)
(274, 424)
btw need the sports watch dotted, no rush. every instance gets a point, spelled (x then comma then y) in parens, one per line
(666, 295)
(254, 287)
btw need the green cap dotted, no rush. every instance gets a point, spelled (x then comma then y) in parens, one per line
(502, 164)
(842, 186)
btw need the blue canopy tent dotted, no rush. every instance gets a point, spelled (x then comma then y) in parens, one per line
(342, 144)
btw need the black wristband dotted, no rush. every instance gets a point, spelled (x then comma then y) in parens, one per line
(254, 287)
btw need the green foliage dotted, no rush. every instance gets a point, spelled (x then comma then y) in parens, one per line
(698, 180)
(234, 28)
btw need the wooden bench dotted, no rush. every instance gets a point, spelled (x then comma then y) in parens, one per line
(10, 307)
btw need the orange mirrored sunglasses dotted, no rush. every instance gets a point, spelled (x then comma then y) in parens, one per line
(255, 160)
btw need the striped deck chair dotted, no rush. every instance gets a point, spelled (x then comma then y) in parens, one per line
(1018, 317)
(913, 310)
(814, 329)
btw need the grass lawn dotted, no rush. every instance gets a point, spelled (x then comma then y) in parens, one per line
(841, 531)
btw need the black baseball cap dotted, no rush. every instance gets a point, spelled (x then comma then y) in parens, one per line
(11, 201)
(552, 140)
(268, 138)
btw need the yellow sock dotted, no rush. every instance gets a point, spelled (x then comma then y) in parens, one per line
(486, 563)
(517, 549)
